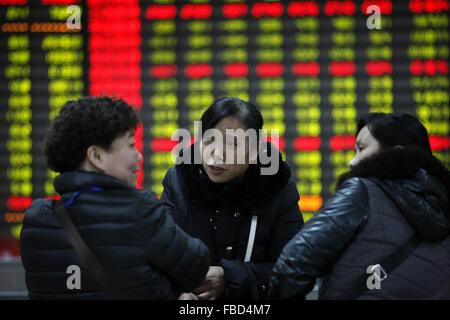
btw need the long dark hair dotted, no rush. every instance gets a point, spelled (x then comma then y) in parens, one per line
(400, 129)
(395, 129)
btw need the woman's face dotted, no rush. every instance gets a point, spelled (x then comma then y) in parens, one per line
(121, 160)
(220, 158)
(366, 145)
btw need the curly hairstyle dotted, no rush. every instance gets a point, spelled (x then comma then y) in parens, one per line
(83, 123)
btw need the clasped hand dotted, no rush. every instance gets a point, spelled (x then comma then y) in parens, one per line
(210, 289)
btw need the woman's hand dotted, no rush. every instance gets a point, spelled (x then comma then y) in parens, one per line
(187, 296)
(213, 285)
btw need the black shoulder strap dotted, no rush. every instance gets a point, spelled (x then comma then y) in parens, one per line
(95, 267)
(387, 266)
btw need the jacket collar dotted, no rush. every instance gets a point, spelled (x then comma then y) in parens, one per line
(248, 193)
(389, 164)
(77, 180)
(419, 195)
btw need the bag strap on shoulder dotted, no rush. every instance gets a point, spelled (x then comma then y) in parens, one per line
(93, 264)
(386, 266)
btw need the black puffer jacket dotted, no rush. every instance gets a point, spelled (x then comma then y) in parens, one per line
(365, 221)
(221, 214)
(147, 254)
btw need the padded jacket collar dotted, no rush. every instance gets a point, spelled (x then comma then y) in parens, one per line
(249, 192)
(77, 180)
(419, 195)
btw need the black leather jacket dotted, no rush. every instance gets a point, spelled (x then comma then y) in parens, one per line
(363, 222)
(222, 221)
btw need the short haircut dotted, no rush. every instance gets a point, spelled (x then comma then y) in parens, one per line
(83, 123)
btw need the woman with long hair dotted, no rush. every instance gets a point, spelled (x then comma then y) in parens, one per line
(385, 233)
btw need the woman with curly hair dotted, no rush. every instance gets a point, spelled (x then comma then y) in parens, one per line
(91, 143)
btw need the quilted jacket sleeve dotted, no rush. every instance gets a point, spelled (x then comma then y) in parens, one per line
(184, 259)
(312, 252)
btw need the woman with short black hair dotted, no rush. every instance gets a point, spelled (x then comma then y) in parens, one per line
(244, 211)
(385, 234)
(91, 143)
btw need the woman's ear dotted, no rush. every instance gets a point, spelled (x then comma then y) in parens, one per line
(95, 159)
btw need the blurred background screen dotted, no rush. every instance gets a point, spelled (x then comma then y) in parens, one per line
(312, 67)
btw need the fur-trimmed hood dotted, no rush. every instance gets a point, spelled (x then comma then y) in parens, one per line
(406, 177)
(393, 163)
(249, 192)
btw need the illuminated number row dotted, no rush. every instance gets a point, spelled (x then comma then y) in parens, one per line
(343, 95)
(269, 69)
(163, 101)
(198, 76)
(277, 69)
(307, 99)
(379, 68)
(19, 143)
(428, 51)
(277, 9)
(64, 58)
(115, 56)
